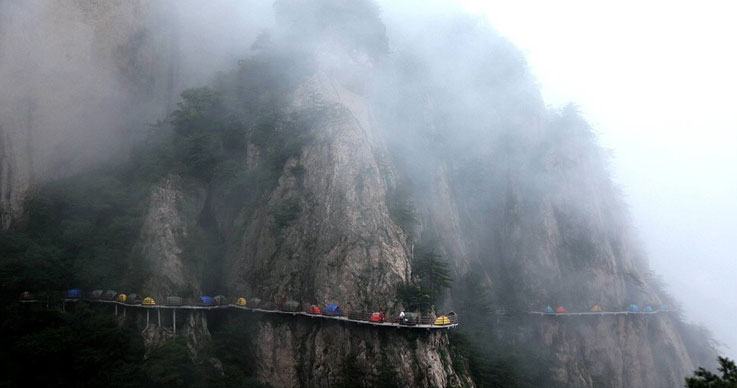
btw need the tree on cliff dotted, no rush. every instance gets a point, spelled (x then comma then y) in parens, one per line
(705, 379)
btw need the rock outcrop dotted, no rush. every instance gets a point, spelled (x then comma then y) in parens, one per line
(166, 228)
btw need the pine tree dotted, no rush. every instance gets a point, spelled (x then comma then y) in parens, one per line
(706, 379)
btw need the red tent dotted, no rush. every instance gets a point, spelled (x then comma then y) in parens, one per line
(377, 317)
(561, 309)
(314, 310)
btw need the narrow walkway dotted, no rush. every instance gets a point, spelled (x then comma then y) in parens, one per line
(600, 313)
(430, 322)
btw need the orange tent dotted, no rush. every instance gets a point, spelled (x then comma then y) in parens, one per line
(377, 317)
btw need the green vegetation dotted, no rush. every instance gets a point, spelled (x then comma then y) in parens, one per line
(414, 298)
(434, 273)
(703, 378)
(74, 349)
(79, 232)
(433, 279)
(88, 347)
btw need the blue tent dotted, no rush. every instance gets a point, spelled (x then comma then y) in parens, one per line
(332, 309)
(648, 309)
(633, 308)
(74, 293)
(206, 301)
(549, 309)
(663, 307)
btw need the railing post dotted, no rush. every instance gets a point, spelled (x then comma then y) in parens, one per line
(174, 324)
(158, 312)
(116, 309)
(147, 311)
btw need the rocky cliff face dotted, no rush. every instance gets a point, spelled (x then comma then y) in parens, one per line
(504, 189)
(520, 199)
(81, 79)
(70, 71)
(321, 234)
(342, 246)
(166, 228)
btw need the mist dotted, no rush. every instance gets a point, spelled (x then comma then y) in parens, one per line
(548, 155)
(658, 86)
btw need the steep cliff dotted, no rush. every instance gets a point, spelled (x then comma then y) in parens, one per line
(281, 170)
(520, 199)
(315, 170)
(83, 78)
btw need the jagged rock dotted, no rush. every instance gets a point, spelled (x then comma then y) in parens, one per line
(171, 215)
(306, 353)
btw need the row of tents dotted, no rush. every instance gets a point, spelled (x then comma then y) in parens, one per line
(632, 308)
(330, 309)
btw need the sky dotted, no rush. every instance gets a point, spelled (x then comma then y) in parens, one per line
(657, 81)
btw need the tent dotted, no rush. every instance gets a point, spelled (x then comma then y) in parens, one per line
(442, 320)
(549, 309)
(377, 317)
(149, 301)
(206, 301)
(96, 294)
(109, 295)
(560, 310)
(332, 310)
(173, 301)
(596, 308)
(25, 295)
(290, 305)
(220, 300)
(122, 298)
(241, 302)
(633, 308)
(74, 293)
(313, 309)
(255, 302)
(133, 299)
(663, 307)
(648, 309)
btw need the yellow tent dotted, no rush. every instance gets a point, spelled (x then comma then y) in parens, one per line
(596, 309)
(122, 297)
(149, 301)
(241, 302)
(442, 320)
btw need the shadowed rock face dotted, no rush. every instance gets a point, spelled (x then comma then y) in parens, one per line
(302, 352)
